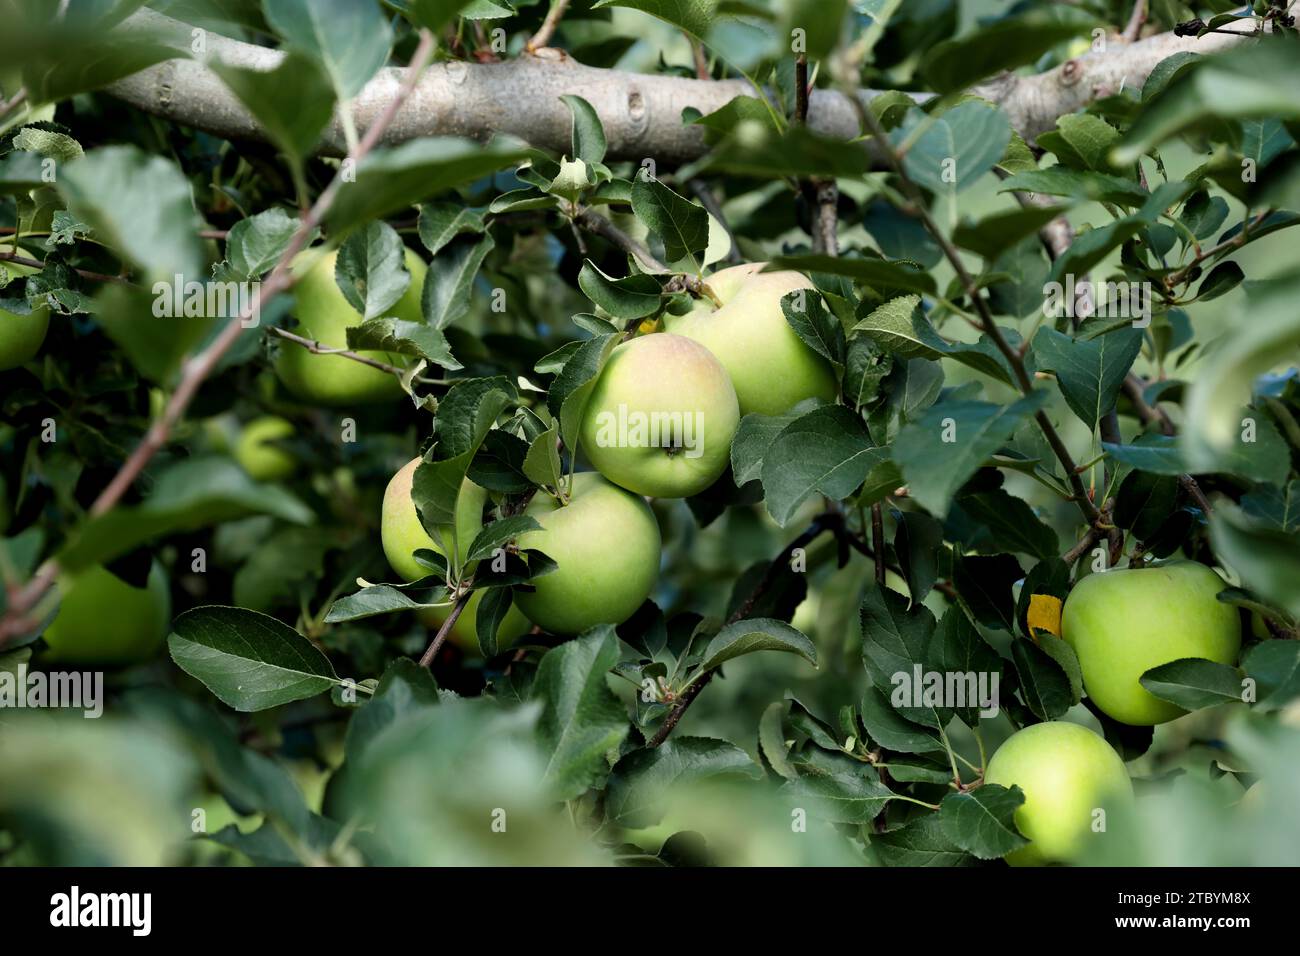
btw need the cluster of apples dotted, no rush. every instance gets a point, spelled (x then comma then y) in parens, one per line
(1121, 623)
(712, 365)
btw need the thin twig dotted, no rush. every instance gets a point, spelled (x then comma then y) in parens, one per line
(542, 38)
(432, 650)
(316, 348)
(84, 273)
(1135, 22)
(195, 370)
(13, 102)
(598, 225)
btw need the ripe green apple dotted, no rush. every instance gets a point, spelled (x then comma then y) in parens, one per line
(402, 534)
(1122, 623)
(325, 316)
(606, 543)
(21, 335)
(104, 620)
(256, 455)
(1066, 772)
(770, 366)
(661, 417)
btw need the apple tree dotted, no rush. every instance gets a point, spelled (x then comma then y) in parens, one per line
(643, 432)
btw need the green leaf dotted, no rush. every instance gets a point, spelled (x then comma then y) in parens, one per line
(582, 721)
(403, 338)
(350, 40)
(1264, 328)
(1157, 454)
(75, 52)
(753, 438)
(901, 328)
(982, 821)
(254, 245)
(633, 297)
(1000, 231)
(1275, 666)
(853, 798)
(1004, 44)
(405, 688)
(191, 494)
(919, 842)
(571, 390)
(681, 225)
(382, 599)
(497, 533)
(888, 728)
(827, 450)
(693, 16)
(758, 634)
(756, 149)
(292, 103)
(877, 273)
(371, 269)
(1090, 372)
(1076, 184)
(641, 781)
(949, 152)
(958, 648)
(1193, 683)
(436, 14)
(771, 740)
(818, 329)
(896, 640)
(248, 660)
(1261, 554)
(1081, 141)
(1280, 507)
(1046, 689)
(588, 132)
(1010, 523)
(491, 613)
(141, 206)
(542, 462)
(391, 179)
(465, 415)
(950, 441)
(441, 222)
(449, 285)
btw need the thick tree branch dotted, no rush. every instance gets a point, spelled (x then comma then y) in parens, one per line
(641, 113)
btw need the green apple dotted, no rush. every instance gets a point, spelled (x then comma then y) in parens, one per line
(606, 543)
(770, 366)
(105, 620)
(403, 534)
(325, 315)
(661, 417)
(1122, 623)
(257, 455)
(20, 335)
(1066, 772)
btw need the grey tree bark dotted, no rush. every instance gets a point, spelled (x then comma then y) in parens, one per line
(641, 113)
